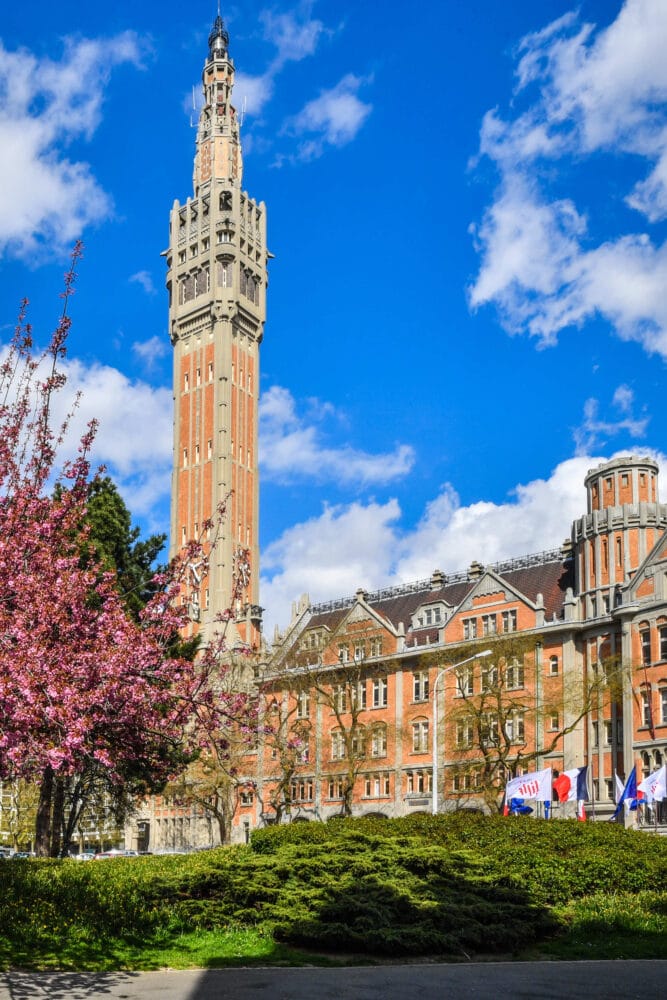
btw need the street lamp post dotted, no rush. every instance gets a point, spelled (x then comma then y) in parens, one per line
(445, 670)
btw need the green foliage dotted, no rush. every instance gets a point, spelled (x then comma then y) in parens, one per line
(117, 545)
(449, 885)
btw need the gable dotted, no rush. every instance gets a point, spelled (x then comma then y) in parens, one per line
(650, 580)
(491, 591)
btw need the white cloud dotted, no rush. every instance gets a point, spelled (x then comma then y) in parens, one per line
(593, 92)
(151, 350)
(328, 556)
(45, 199)
(134, 438)
(367, 545)
(251, 93)
(594, 432)
(291, 447)
(295, 34)
(144, 278)
(332, 119)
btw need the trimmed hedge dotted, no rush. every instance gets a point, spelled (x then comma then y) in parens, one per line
(448, 885)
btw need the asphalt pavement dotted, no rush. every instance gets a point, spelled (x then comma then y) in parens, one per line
(644, 980)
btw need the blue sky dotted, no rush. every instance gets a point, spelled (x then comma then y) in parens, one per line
(468, 304)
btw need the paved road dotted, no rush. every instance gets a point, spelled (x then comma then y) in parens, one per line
(540, 980)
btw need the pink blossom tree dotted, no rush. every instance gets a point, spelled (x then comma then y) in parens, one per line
(84, 686)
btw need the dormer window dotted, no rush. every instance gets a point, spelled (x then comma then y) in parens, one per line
(429, 616)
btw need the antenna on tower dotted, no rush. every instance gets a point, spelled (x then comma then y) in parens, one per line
(194, 110)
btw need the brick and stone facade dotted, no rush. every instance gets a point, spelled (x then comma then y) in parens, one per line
(577, 674)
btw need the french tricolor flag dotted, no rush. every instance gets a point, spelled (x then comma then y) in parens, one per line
(572, 786)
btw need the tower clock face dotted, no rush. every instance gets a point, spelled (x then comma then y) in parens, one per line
(206, 162)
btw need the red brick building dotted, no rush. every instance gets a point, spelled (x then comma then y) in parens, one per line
(576, 674)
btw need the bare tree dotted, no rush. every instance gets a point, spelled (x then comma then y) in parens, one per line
(503, 714)
(341, 671)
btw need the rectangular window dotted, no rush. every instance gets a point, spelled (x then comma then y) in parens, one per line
(302, 705)
(489, 677)
(489, 626)
(418, 782)
(339, 698)
(608, 732)
(337, 745)
(335, 788)
(358, 743)
(663, 706)
(554, 722)
(380, 692)
(465, 681)
(553, 665)
(469, 628)
(515, 727)
(646, 708)
(465, 733)
(376, 646)
(645, 640)
(209, 448)
(420, 736)
(210, 371)
(186, 382)
(595, 727)
(359, 651)
(379, 741)
(185, 458)
(358, 695)
(420, 686)
(662, 639)
(343, 654)
(509, 621)
(489, 730)
(514, 675)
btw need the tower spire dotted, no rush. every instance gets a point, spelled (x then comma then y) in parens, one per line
(218, 40)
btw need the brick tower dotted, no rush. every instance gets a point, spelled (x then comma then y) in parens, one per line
(217, 281)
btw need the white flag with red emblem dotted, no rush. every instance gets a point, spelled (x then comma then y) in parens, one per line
(655, 786)
(534, 785)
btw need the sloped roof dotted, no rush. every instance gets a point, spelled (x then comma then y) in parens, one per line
(546, 573)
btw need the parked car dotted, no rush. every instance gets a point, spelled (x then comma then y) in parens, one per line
(115, 852)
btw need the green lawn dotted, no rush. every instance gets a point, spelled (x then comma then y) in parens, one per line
(455, 887)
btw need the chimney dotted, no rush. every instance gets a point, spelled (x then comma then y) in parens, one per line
(475, 571)
(437, 579)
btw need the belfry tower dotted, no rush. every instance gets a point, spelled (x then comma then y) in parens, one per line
(217, 281)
